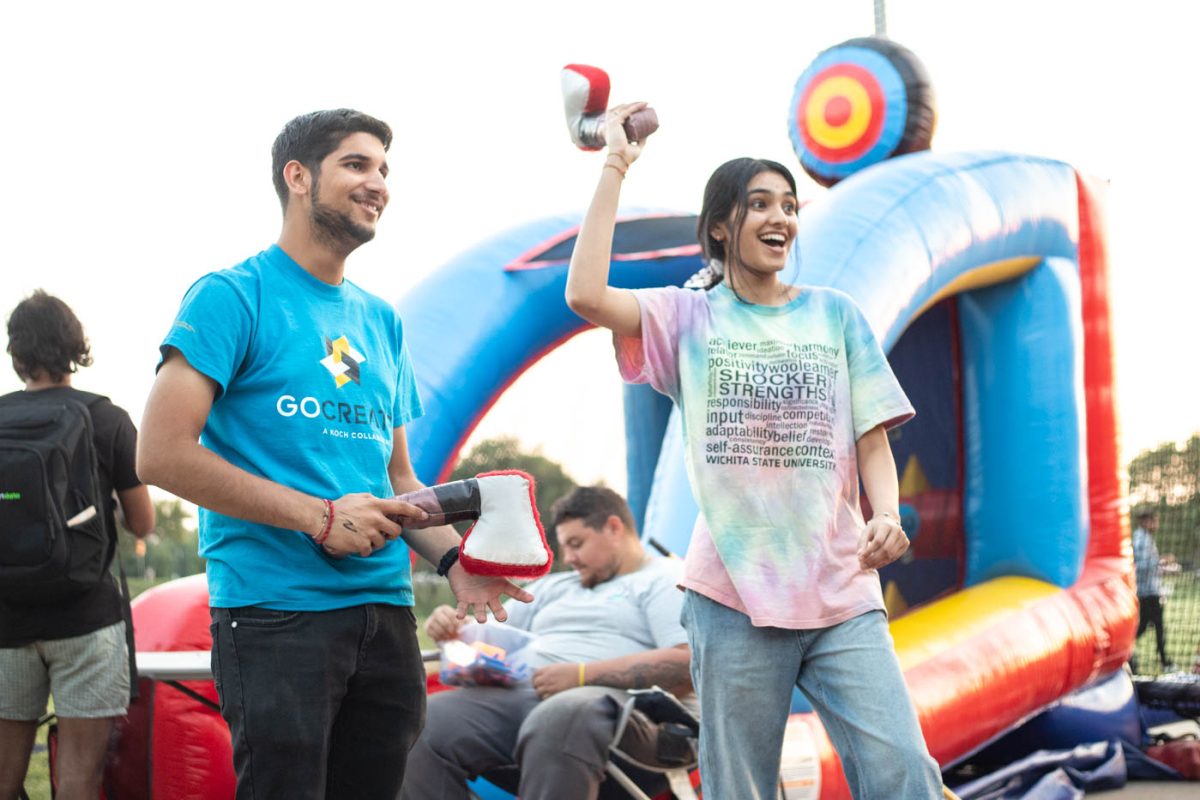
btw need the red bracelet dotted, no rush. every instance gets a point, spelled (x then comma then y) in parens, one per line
(326, 524)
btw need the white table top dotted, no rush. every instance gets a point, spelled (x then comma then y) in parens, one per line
(178, 665)
(193, 665)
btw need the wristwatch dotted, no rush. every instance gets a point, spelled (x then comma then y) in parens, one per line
(447, 561)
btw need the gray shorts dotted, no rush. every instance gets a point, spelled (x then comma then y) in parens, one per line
(88, 676)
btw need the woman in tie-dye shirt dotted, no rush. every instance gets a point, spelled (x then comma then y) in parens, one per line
(786, 398)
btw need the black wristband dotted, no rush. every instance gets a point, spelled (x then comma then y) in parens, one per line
(447, 561)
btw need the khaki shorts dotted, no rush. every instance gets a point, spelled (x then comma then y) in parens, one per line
(88, 676)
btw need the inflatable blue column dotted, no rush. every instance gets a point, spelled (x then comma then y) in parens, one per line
(646, 416)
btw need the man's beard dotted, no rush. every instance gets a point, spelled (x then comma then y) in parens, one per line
(601, 574)
(336, 229)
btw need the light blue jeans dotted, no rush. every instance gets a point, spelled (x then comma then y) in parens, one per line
(849, 672)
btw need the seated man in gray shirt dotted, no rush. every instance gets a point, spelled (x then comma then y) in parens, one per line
(610, 624)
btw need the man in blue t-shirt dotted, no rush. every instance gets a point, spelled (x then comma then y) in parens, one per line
(279, 408)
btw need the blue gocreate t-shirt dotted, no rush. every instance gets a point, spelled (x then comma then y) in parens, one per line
(313, 380)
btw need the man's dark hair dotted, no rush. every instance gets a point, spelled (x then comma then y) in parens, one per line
(1144, 515)
(593, 505)
(310, 137)
(45, 337)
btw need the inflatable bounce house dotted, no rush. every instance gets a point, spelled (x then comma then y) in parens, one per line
(984, 275)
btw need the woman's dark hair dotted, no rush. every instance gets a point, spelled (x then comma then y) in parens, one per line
(310, 137)
(45, 337)
(593, 505)
(725, 200)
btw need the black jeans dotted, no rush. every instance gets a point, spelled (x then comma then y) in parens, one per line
(320, 704)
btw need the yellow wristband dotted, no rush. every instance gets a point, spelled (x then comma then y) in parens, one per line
(581, 668)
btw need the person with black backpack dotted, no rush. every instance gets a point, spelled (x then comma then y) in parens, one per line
(63, 455)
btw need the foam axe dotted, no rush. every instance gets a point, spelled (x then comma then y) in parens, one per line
(507, 538)
(585, 99)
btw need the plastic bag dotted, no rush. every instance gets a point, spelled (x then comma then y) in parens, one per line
(485, 655)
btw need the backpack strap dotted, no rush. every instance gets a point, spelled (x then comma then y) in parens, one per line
(127, 613)
(90, 399)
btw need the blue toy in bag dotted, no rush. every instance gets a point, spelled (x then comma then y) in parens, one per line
(485, 655)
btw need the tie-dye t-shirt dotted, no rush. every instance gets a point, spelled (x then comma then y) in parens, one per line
(773, 401)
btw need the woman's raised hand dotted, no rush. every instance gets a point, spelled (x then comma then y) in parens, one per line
(621, 151)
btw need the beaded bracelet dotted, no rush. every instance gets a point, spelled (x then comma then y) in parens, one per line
(326, 523)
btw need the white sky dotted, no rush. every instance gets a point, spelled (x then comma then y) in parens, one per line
(136, 139)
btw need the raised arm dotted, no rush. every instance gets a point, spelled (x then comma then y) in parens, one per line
(882, 540)
(169, 455)
(588, 292)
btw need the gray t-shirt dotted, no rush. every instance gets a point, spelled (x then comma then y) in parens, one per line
(628, 614)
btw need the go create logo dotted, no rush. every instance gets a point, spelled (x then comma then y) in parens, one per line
(342, 361)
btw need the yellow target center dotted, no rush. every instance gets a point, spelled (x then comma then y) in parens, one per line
(836, 137)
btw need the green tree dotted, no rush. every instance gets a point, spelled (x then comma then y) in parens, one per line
(490, 455)
(505, 452)
(169, 552)
(1167, 479)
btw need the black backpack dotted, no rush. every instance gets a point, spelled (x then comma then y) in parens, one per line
(54, 536)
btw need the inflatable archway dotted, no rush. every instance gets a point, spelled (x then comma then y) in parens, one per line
(984, 275)
(491, 313)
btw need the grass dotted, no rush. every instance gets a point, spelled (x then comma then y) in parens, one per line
(37, 780)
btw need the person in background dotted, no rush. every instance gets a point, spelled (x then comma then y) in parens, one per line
(608, 625)
(1148, 572)
(75, 650)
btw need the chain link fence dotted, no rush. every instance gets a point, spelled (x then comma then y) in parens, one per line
(1164, 483)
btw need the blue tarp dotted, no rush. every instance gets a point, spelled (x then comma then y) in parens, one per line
(1067, 774)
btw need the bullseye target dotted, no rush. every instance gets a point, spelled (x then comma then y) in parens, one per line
(858, 103)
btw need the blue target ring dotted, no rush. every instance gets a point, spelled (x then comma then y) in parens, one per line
(859, 103)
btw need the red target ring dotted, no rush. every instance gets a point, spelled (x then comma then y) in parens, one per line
(841, 113)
